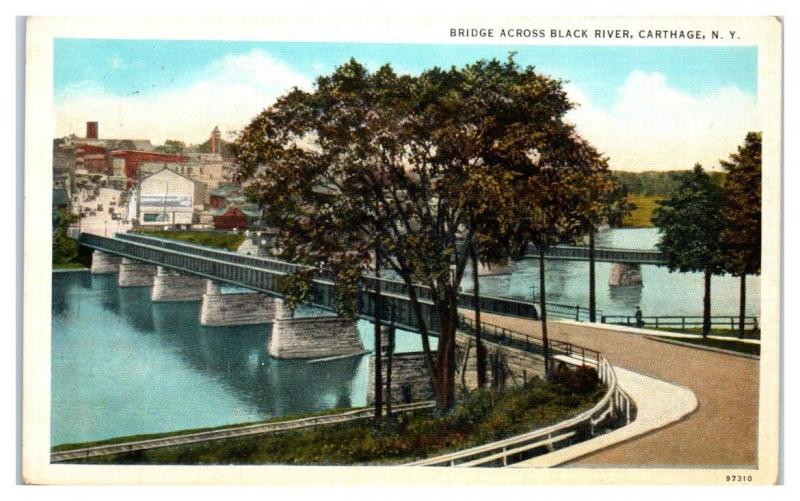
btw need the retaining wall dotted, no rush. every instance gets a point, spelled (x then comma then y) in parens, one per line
(411, 381)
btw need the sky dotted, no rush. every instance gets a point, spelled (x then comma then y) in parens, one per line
(646, 108)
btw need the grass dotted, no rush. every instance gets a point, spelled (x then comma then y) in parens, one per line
(69, 266)
(640, 217)
(748, 348)
(150, 436)
(217, 240)
(480, 417)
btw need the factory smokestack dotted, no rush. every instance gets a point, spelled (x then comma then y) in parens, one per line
(91, 130)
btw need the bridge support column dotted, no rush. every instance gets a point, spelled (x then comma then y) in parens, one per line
(625, 274)
(133, 273)
(103, 263)
(411, 381)
(312, 337)
(235, 309)
(170, 285)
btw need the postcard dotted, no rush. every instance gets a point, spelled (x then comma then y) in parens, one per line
(402, 250)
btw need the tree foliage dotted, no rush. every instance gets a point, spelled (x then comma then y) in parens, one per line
(742, 189)
(65, 249)
(416, 166)
(171, 147)
(690, 223)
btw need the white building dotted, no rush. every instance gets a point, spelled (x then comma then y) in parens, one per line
(167, 199)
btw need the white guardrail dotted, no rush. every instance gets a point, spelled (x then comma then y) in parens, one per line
(615, 403)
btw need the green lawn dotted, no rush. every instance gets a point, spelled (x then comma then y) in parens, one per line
(69, 266)
(481, 417)
(640, 217)
(749, 348)
(219, 240)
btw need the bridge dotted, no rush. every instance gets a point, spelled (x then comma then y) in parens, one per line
(601, 254)
(263, 274)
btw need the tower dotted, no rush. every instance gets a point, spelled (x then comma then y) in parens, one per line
(215, 140)
(91, 130)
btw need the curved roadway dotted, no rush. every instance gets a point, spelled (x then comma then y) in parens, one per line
(722, 431)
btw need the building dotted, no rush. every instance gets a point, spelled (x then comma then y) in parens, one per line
(128, 162)
(236, 217)
(224, 195)
(166, 198)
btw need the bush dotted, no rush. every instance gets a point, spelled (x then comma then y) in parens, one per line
(581, 379)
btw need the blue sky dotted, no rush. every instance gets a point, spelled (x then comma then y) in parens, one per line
(181, 89)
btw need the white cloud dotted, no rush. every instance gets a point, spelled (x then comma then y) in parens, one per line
(652, 126)
(229, 93)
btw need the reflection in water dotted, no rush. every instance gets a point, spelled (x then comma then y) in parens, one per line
(626, 295)
(122, 365)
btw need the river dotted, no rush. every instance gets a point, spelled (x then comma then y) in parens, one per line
(122, 365)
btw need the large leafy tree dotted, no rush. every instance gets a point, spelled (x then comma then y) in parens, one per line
(741, 235)
(691, 221)
(65, 249)
(376, 160)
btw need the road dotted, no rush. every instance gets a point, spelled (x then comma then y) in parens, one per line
(723, 431)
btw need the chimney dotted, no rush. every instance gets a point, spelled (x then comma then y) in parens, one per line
(215, 140)
(91, 130)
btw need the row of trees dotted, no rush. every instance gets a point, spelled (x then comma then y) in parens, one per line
(714, 226)
(379, 166)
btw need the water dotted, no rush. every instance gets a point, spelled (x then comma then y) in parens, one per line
(662, 292)
(122, 365)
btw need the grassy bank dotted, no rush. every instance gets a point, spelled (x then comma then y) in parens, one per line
(481, 417)
(218, 240)
(732, 345)
(150, 436)
(640, 217)
(69, 266)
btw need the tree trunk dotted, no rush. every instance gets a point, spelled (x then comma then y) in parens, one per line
(742, 295)
(543, 316)
(446, 360)
(707, 304)
(390, 358)
(378, 361)
(480, 351)
(592, 301)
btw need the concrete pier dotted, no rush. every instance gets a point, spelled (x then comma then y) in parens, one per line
(312, 337)
(235, 309)
(625, 274)
(133, 273)
(172, 286)
(103, 263)
(411, 381)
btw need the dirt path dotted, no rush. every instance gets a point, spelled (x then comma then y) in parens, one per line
(722, 431)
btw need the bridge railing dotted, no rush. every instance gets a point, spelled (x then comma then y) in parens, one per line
(615, 403)
(679, 321)
(528, 342)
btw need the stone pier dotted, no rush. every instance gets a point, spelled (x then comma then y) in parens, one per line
(172, 286)
(133, 273)
(411, 381)
(103, 263)
(235, 309)
(312, 337)
(625, 274)
(494, 269)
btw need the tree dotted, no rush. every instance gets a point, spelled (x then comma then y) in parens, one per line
(65, 249)
(741, 235)
(690, 222)
(378, 160)
(172, 147)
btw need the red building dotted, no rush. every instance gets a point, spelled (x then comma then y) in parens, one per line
(134, 158)
(94, 159)
(231, 218)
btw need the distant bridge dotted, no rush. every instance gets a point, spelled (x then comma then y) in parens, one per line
(601, 254)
